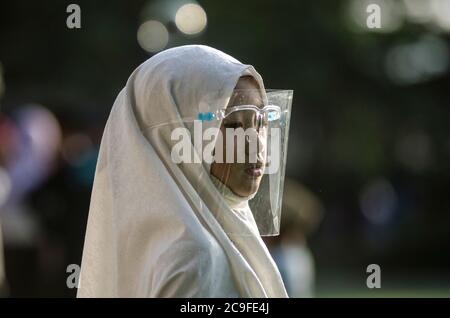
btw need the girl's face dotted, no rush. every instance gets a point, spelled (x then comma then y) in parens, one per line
(242, 178)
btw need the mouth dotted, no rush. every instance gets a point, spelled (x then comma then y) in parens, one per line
(254, 170)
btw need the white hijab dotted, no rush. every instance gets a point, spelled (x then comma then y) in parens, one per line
(150, 233)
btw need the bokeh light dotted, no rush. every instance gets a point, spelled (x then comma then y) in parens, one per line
(441, 12)
(38, 147)
(433, 13)
(191, 19)
(417, 62)
(418, 11)
(378, 201)
(152, 36)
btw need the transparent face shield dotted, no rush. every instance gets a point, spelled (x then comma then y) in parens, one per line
(234, 158)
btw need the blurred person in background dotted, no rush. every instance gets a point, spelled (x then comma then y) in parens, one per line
(29, 145)
(301, 215)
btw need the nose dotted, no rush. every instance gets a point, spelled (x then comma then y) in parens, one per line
(255, 154)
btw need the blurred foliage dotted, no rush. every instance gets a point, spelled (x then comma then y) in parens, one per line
(348, 117)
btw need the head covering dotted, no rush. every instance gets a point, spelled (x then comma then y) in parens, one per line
(150, 233)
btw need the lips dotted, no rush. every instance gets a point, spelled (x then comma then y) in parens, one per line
(254, 170)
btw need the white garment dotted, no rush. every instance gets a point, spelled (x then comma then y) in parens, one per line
(150, 233)
(237, 203)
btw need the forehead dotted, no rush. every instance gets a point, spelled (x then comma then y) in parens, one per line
(246, 92)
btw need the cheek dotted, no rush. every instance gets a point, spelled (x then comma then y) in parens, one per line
(233, 149)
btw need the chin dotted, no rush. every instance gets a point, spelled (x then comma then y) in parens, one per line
(247, 188)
